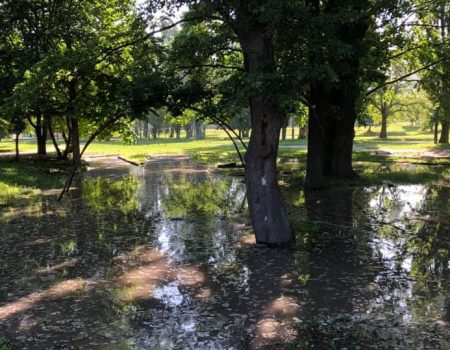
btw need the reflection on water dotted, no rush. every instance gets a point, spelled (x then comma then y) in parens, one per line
(160, 257)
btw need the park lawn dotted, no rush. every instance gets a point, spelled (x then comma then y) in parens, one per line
(26, 181)
(31, 176)
(402, 137)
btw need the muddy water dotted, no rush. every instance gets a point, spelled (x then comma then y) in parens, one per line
(161, 257)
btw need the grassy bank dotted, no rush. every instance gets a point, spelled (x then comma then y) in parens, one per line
(30, 178)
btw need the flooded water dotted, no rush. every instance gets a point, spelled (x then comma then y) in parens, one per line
(162, 257)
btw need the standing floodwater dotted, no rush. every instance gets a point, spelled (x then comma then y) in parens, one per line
(161, 257)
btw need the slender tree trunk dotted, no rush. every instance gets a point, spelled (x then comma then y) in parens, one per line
(444, 132)
(52, 136)
(17, 146)
(383, 131)
(145, 129)
(436, 132)
(172, 132)
(269, 218)
(292, 128)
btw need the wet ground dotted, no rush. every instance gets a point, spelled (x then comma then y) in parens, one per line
(162, 257)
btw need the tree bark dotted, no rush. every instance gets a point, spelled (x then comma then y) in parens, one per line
(52, 136)
(283, 133)
(383, 131)
(444, 139)
(269, 218)
(303, 134)
(40, 129)
(17, 146)
(177, 129)
(293, 128)
(145, 129)
(76, 153)
(199, 134)
(436, 132)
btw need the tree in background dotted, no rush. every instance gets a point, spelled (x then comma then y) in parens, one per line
(433, 36)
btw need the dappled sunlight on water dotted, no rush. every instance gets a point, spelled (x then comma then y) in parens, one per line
(163, 257)
(26, 303)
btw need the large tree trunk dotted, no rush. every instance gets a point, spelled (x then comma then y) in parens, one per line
(269, 218)
(40, 129)
(188, 129)
(383, 131)
(199, 131)
(340, 164)
(444, 132)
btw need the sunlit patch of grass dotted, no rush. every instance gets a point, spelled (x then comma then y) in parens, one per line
(16, 195)
(23, 182)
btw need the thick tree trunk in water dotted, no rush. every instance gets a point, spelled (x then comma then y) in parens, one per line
(383, 132)
(444, 132)
(342, 147)
(269, 218)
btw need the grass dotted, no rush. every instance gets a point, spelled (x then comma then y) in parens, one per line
(377, 161)
(402, 138)
(25, 181)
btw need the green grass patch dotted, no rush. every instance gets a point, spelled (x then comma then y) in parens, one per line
(24, 181)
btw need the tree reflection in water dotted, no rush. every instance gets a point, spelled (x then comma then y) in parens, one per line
(163, 259)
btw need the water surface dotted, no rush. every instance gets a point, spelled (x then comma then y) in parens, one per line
(162, 257)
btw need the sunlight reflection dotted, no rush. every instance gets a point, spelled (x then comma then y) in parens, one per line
(284, 306)
(28, 302)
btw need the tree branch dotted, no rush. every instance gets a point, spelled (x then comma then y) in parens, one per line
(428, 66)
